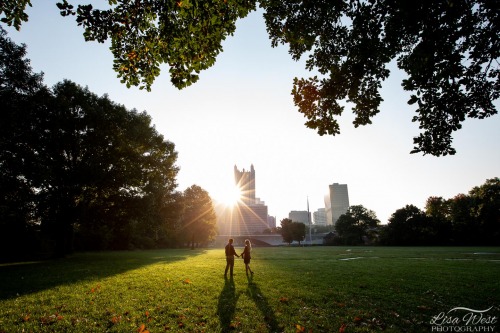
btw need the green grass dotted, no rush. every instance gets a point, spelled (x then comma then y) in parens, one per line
(318, 289)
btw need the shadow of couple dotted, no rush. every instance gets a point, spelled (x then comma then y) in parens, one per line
(228, 298)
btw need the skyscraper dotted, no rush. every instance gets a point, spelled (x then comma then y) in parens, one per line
(251, 213)
(319, 217)
(245, 181)
(337, 202)
(302, 216)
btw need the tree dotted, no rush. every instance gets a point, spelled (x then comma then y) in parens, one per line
(198, 217)
(76, 168)
(21, 93)
(292, 231)
(106, 162)
(409, 226)
(486, 210)
(286, 230)
(353, 227)
(472, 219)
(448, 49)
(438, 210)
(298, 231)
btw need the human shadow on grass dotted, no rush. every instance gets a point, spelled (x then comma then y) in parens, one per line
(18, 279)
(263, 305)
(226, 305)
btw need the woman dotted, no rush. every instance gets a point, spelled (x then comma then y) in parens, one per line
(246, 256)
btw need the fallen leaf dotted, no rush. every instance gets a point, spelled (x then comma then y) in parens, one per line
(342, 328)
(300, 328)
(186, 281)
(234, 325)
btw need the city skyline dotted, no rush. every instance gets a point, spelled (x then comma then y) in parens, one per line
(241, 113)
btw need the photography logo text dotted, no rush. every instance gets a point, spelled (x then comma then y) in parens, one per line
(461, 319)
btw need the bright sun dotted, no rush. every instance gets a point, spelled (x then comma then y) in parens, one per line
(231, 196)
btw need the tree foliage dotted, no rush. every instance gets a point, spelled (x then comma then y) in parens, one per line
(449, 51)
(186, 35)
(78, 169)
(409, 226)
(354, 227)
(286, 231)
(298, 231)
(292, 231)
(198, 220)
(466, 219)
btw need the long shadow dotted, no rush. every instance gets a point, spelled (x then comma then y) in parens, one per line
(263, 305)
(17, 279)
(226, 305)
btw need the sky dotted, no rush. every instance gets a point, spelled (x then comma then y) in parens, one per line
(241, 113)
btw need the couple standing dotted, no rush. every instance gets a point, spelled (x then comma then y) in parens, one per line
(231, 252)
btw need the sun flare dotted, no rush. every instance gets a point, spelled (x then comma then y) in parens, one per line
(231, 196)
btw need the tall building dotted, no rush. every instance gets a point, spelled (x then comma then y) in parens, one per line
(271, 221)
(302, 216)
(319, 217)
(336, 203)
(245, 181)
(250, 215)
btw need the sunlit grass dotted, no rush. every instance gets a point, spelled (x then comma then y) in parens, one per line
(318, 289)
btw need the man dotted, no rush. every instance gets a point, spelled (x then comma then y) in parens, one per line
(230, 253)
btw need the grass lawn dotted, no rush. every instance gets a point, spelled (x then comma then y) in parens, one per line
(311, 289)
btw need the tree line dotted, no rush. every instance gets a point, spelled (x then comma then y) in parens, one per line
(80, 172)
(471, 219)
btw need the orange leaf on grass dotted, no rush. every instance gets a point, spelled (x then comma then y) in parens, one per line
(97, 287)
(342, 328)
(234, 325)
(300, 328)
(186, 281)
(142, 329)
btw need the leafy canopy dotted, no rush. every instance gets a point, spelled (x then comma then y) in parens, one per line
(448, 49)
(76, 168)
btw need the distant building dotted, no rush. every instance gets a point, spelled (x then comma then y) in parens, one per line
(250, 216)
(302, 216)
(271, 221)
(245, 181)
(319, 217)
(336, 202)
(251, 219)
(328, 210)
